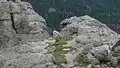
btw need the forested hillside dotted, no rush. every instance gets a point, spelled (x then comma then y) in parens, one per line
(107, 11)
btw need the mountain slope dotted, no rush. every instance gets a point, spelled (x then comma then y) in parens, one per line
(107, 11)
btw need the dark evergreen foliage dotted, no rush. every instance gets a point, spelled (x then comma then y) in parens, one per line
(54, 11)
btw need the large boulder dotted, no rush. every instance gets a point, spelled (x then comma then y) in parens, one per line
(27, 21)
(93, 40)
(19, 19)
(90, 28)
(22, 34)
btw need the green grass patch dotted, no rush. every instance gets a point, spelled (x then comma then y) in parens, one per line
(59, 56)
(66, 38)
(80, 61)
(59, 53)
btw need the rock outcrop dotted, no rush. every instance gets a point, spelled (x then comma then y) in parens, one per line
(88, 29)
(93, 40)
(7, 32)
(24, 40)
(20, 18)
(22, 37)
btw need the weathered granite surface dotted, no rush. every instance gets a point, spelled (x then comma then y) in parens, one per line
(22, 35)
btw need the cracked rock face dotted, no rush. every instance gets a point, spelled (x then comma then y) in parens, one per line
(20, 18)
(7, 33)
(22, 35)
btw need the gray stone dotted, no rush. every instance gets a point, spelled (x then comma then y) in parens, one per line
(4, 10)
(101, 53)
(56, 34)
(14, 7)
(87, 49)
(22, 56)
(89, 58)
(116, 49)
(27, 21)
(114, 61)
(20, 18)
(7, 34)
(22, 32)
(91, 28)
(94, 40)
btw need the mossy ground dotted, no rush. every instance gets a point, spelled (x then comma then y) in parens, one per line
(59, 53)
(80, 61)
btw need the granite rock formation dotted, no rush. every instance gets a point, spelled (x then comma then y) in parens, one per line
(93, 40)
(22, 37)
(20, 18)
(90, 28)
(25, 41)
